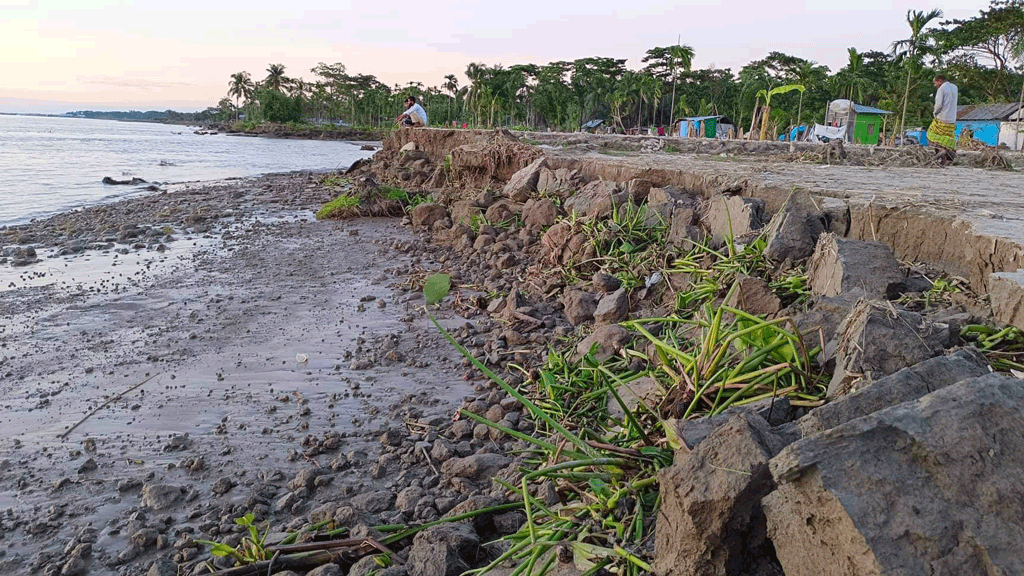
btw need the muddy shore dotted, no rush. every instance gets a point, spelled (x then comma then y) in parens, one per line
(269, 343)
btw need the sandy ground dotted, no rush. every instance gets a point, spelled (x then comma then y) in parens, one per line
(216, 322)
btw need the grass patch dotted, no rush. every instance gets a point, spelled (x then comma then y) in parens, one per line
(344, 206)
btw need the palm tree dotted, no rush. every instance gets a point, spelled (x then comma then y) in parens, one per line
(911, 49)
(239, 87)
(275, 77)
(475, 73)
(681, 56)
(451, 84)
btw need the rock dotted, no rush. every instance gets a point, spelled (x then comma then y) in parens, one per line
(638, 190)
(673, 197)
(523, 184)
(163, 567)
(478, 467)
(818, 324)
(408, 147)
(555, 239)
(732, 216)
(605, 282)
(88, 466)
(839, 265)
(145, 537)
(793, 232)
(407, 498)
(644, 391)
(605, 342)
(306, 479)
(160, 496)
(596, 200)
(366, 565)
(754, 296)
(612, 308)
(326, 570)
(539, 214)
(876, 340)
(373, 502)
(73, 567)
(579, 306)
(683, 231)
(132, 182)
(710, 521)
(428, 213)
(928, 487)
(445, 550)
(905, 385)
(222, 486)
(463, 212)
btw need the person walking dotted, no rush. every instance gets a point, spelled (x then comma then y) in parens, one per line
(942, 131)
(414, 114)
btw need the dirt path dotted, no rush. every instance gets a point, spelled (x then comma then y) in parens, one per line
(218, 321)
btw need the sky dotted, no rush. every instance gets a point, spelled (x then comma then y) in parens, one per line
(60, 55)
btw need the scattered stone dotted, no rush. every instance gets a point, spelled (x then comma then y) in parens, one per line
(523, 184)
(596, 200)
(793, 232)
(160, 496)
(445, 550)
(839, 265)
(163, 567)
(923, 487)
(374, 502)
(326, 570)
(643, 390)
(612, 308)
(608, 341)
(428, 213)
(579, 306)
(478, 467)
(539, 214)
(754, 296)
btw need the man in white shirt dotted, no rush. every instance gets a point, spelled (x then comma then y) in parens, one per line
(942, 132)
(414, 114)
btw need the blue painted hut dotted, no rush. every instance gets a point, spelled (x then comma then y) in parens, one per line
(985, 121)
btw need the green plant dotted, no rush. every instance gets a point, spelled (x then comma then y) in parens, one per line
(335, 180)
(250, 550)
(343, 206)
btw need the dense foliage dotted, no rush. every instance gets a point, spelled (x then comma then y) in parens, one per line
(983, 55)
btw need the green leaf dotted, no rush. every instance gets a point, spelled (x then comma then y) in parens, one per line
(436, 288)
(245, 520)
(218, 549)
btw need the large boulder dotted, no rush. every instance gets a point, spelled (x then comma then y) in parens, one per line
(710, 520)
(903, 386)
(931, 487)
(732, 216)
(523, 184)
(876, 340)
(596, 200)
(839, 265)
(445, 550)
(793, 232)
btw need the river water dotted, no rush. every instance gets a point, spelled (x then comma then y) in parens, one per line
(50, 165)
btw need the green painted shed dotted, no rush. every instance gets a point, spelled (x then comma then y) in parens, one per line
(864, 123)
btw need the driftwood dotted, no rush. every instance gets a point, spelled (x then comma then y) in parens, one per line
(104, 405)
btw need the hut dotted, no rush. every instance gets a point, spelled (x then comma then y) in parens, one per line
(993, 124)
(705, 127)
(863, 123)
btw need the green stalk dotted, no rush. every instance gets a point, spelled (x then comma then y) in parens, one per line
(412, 531)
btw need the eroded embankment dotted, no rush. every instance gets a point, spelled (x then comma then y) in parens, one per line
(963, 221)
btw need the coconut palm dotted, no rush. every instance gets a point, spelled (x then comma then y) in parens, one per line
(451, 84)
(680, 56)
(239, 87)
(911, 49)
(275, 77)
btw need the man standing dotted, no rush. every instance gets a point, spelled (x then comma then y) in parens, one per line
(414, 114)
(942, 132)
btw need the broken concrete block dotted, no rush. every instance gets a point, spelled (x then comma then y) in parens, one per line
(523, 184)
(876, 340)
(732, 216)
(612, 307)
(754, 296)
(710, 520)
(839, 265)
(579, 306)
(596, 200)
(428, 213)
(903, 386)
(793, 232)
(930, 487)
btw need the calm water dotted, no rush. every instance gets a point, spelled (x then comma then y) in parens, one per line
(50, 165)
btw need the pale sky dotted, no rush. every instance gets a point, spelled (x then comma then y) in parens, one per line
(60, 55)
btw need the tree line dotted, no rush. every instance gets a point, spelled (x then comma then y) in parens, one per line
(983, 55)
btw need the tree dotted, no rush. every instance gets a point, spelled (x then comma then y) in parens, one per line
(673, 59)
(912, 49)
(767, 108)
(239, 87)
(275, 77)
(451, 84)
